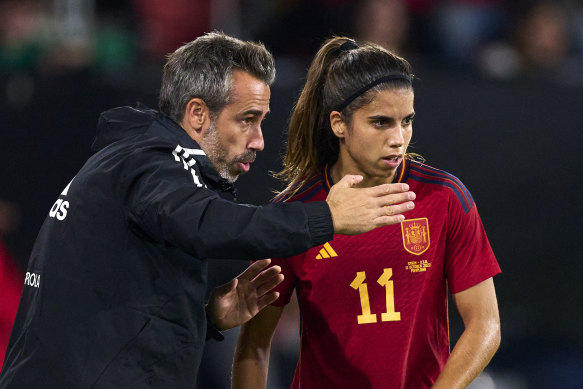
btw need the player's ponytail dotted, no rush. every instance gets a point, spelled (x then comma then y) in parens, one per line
(310, 140)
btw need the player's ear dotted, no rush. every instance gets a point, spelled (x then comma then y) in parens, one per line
(337, 123)
(196, 118)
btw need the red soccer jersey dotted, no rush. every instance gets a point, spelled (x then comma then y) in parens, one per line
(374, 306)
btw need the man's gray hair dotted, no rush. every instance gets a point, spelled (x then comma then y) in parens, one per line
(203, 69)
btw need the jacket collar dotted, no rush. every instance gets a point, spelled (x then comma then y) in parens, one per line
(210, 175)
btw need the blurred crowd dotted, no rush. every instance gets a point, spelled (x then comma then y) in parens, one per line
(501, 39)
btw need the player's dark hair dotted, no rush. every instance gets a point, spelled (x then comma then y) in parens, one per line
(340, 69)
(203, 68)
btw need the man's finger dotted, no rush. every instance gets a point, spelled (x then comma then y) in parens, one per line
(348, 181)
(387, 189)
(267, 299)
(388, 220)
(394, 199)
(265, 275)
(395, 209)
(269, 284)
(255, 268)
(222, 290)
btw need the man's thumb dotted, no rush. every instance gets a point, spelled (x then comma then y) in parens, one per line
(348, 181)
(223, 290)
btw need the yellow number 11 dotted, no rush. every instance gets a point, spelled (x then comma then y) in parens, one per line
(384, 280)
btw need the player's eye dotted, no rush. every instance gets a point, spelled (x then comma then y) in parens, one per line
(408, 120)
(381, 122)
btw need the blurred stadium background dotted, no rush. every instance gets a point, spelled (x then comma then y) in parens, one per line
(499, 103)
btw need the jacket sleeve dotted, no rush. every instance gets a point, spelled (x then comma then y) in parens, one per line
(169, 203)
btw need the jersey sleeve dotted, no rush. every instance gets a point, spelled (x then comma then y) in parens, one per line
(287, 286)
(469, 256)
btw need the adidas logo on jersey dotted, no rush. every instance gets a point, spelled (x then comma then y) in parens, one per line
(326, 252)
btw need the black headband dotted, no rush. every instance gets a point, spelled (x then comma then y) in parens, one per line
(347, 46)
(365, 88)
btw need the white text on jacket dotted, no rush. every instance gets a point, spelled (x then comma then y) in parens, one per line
(32, 279)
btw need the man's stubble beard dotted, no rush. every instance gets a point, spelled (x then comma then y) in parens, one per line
(218, 155)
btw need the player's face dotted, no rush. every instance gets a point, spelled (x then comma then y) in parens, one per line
(235, 136)
(378, 136)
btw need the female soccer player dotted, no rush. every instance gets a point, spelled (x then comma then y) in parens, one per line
(373, 307)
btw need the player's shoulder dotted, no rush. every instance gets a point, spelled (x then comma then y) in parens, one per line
(429, 175)
(304, 191)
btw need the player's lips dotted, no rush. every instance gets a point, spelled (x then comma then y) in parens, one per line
(393, 160)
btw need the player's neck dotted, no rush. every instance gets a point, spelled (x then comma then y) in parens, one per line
(339, 170)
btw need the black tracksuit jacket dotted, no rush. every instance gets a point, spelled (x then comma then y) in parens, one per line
(114, 290)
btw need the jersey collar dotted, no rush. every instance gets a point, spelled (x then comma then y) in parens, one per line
(400, 176)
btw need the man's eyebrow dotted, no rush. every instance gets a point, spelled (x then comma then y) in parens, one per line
(254, 112)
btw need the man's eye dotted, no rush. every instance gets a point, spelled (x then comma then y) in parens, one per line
(408, 120)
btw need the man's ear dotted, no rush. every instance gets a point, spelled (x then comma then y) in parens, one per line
(196, 118)
(337, 123)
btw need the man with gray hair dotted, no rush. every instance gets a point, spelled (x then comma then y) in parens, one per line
(118, 274)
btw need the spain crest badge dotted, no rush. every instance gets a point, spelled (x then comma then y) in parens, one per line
(415, 235)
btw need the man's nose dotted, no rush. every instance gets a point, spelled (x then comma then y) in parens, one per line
(256, 140)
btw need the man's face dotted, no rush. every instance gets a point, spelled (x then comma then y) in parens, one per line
(234, 137)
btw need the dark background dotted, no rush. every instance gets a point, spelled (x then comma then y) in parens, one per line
(514, 137)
